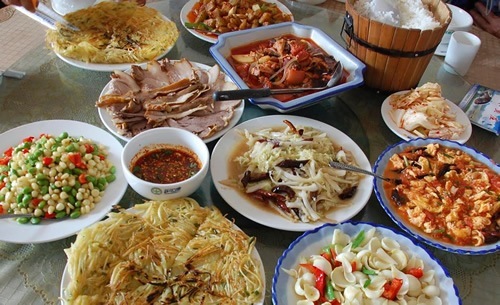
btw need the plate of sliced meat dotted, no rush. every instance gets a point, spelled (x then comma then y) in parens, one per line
(168, 93)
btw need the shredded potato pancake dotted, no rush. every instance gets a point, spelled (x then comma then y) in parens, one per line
(164, 252)
(114, 33)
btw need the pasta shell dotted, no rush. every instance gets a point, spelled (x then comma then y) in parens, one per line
(397, 274)
(307, 279)
(389, 244)
(311, 293)
(400, 258)
(414, 286)
(321, 263)
(339, 281)
(340, 238)
(431, 291)
(353, 295)
(305, 302)
(429, 301)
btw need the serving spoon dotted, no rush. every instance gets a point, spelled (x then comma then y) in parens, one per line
(5, 216)
(226, 95)
(352, 168)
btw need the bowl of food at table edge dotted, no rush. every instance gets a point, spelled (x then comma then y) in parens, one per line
(442, 193)
(360, 263)
(165, 163)
(208, 19)
(423, 112)
(286, 55)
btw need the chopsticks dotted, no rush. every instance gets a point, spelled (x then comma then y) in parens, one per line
(47, 17)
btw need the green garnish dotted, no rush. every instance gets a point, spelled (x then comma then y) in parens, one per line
(367, 283)
(358, 239)
(368, 271)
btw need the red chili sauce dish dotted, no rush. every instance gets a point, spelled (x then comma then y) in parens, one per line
(284, 62)
(165, 164)
(445, 193)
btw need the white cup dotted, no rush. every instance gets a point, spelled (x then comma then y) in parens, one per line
(461, 52)
(460, 21)
(63, 7)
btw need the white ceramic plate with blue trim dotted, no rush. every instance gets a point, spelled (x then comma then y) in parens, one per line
(222, 50)
(50, 230)
(390, 209)
(311, 242)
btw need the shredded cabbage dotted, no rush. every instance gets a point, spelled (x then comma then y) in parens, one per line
(316, 186)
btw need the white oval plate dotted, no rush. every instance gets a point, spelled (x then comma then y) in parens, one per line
(108, 121)
(388, 117)
(50, 230)
(107, 67)
(66, 278)
(313, 241)
(189, 5)
(243, 205)
(391, 210)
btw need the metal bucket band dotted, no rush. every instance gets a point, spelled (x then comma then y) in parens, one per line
(348, 28)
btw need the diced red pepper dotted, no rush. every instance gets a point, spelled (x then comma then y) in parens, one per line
(76, 159)
(25, 151)
(2, 185)
(36, 201)
(47, 161)
(1, 209)
(28, 139)
(416, 272)
(353, 266)
(82, 179)
(391, 288)
(101, 157)
(89, 148)
(49, 215)
(5, 160)
(9, 152)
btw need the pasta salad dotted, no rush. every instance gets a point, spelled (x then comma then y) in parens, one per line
(366, 268)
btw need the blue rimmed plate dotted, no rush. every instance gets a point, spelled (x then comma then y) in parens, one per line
(390, 209)
(226, 42)
(311, 242)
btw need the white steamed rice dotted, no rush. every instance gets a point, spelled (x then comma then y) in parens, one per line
(413, 14)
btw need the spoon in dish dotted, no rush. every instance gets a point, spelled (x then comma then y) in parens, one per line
(5, 216)
(265, 92)
(351, 168)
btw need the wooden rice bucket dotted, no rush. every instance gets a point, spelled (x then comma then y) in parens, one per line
(395, 58)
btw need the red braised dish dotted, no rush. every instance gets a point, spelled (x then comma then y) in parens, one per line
(445, 193)
(284, 62)
(165, 164)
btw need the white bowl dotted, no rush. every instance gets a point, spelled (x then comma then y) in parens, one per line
(222, 50)
(391, 210)
(171, 136)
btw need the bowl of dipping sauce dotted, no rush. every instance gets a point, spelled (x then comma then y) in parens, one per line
(165, 163)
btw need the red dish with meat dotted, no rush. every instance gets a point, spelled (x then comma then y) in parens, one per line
(445, 193)
(284, 62)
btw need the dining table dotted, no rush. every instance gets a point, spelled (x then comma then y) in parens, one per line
(53, 89)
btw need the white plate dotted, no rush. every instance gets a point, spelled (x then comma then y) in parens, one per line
(380, 166)
(50, 230)
(66, 278)
(312, 242)
(108, 121)
(189, 5)
(108, 67)
(243, 205)
(388, 117)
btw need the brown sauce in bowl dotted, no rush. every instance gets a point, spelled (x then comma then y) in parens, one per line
(165, 164)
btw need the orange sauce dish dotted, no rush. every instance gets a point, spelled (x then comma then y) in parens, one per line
(283, 62)
(445, 193)
(165, 164)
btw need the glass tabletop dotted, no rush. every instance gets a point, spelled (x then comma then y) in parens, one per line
(53, 89)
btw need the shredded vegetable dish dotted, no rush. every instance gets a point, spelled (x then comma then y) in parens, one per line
(288, 170)
(53, 177)
(283, 62)
(114, 32)
(164, 252)
(424, 112)
(218, 16)
(446, 193)
(364, 269)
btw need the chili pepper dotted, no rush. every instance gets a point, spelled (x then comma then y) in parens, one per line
(416, 272)
(89, 148)
(76, 159)
(8, 152)
(49, 215)
(28, 139)
(36, 201)
(391, 288)
(353, 266)
(320, 278)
